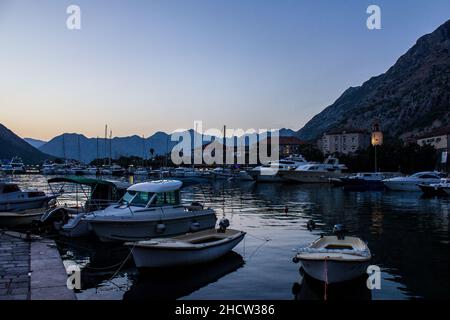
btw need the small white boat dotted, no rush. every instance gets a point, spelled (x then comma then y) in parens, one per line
(188, 249)
(335, 258)
(411, 183)
(13, 199)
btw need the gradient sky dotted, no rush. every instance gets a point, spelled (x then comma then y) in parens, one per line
(144, 66)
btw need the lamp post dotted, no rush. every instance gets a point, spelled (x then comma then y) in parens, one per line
(377, 140)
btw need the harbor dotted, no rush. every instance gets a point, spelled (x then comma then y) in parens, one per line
(275, 217)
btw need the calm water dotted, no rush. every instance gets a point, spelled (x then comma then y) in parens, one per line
(407, 234)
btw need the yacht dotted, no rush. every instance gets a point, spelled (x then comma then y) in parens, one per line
(316, 172)
(270, 172)
(436, 189)
(411, 183)
(366, 180)
(14, 166)
(13, 199)
(48, 168)
(149, 210)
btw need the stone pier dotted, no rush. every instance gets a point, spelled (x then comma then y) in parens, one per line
(31, 270)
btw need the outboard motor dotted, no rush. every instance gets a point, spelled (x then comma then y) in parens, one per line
(339, 231)
(224, 223)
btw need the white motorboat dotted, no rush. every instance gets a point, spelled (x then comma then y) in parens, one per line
(316, 172)
(149, 210)
(13, 199)
(366, 180)
(141, 171)
(270, 172)
(188, 249)
(437, 189)
(15, 166)
(335, 258)
(48, 168)
(411, 183)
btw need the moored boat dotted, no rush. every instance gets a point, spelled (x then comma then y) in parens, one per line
(365, 181)
(188, 249)
(411, 183)
(315, 172)
(149, 210)
(436, 189)
(13, 199)
(335, 258)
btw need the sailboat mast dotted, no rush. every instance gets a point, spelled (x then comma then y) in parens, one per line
(64, 145)
(106, 146)
(110, 146)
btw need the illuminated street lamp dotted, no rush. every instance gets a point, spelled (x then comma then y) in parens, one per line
(377, 140)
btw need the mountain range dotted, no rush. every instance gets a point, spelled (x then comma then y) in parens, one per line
(12, 145)
(411, 98)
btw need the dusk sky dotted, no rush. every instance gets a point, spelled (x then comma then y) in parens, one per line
(147, 66)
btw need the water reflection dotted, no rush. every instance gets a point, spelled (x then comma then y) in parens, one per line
(174, 283)
(407, 234)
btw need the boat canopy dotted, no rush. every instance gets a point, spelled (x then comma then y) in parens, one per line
(91, 182)
(157, 186)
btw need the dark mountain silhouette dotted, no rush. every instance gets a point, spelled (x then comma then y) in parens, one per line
(411, 98)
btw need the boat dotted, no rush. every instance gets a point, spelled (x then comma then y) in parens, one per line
(21, 218)
(192, 248)
(13, 199)
(436, 189)
(365, 181)
(15, 166)
(149, 210)
(335, 258)
(91, 194)
(315, 172)
(270, 172)
(411, 183)
(140, 171)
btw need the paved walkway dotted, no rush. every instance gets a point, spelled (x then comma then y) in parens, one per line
(31, 270)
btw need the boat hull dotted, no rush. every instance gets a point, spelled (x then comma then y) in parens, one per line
(15, 219)
(24, 204)
(129, 230)
(361, 184)
(310, 176)
(334, 271)
(145, 257)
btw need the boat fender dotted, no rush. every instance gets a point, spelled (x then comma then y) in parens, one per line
(160, 228)
(224, 223)
(286, 209)
(295, 259)
(195, 226)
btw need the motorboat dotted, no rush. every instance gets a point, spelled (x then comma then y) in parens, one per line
(270, 172)
(188, 249)
(140, 171)
(13, 199)
(150, 210)
(90, 194)
(315, 172)
(335, 258)
(411, 183)
(15, 166)
(436, 189)
(91, 171)
(222, 173)
(48, 168)
(365, 181)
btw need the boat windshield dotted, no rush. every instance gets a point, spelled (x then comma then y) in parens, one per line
(135, 198)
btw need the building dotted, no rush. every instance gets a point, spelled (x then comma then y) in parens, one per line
(439, 139)
(288, 145)
(345, 141)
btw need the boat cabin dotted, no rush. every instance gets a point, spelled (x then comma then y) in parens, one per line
(152, 194)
